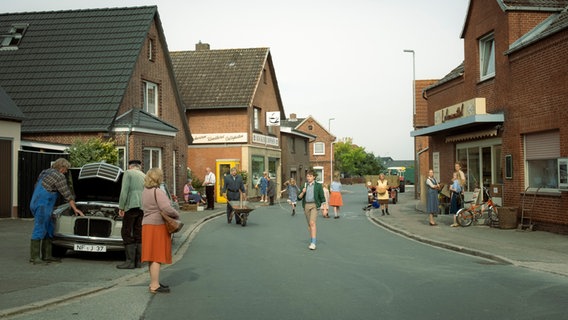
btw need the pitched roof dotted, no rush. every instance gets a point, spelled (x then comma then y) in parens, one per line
(71, 68)
(290, 126)
(544, 5)
(210, 79)
(454, 74)
(143, 121)
(8, 109)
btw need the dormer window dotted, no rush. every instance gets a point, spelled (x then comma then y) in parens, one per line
(13, 37)
(487, 57)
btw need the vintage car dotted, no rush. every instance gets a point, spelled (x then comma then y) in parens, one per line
(97, 190)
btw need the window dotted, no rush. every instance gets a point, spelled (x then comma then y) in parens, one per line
(151, 49)
(256, 118)
(306, 147)
(319, 148)
(14, 35)
(152, 158)
(293, 145)
(257, 168)
(481, 163)
(542, 151)
(318, 172)
(151, 98)
(122, 157)
(272, 169)
(487, 57)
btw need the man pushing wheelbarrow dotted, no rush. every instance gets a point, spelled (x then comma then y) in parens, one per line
(234, 190)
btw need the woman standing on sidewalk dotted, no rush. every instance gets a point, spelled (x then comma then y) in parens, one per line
(432, 196)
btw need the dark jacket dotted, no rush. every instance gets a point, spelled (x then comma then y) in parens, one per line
(319, 197)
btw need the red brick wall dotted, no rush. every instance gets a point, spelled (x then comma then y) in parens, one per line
(322, 135)
(529, 87)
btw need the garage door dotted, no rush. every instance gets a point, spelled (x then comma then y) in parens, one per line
(6, 180)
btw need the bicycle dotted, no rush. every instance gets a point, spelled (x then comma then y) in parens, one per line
(466, 216)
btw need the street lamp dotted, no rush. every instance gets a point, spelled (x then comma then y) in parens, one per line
(416, 157)
(331, 148)
(413, 80)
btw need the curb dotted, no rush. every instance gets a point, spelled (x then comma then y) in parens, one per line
(186, 238)
(443, 245)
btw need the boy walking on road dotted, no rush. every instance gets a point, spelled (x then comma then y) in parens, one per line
(312, 197)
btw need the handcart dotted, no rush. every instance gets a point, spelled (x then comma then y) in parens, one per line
(241, 209)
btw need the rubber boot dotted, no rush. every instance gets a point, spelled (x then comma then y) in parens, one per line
(137, 259)
(383, 212)
(35, 249)
(130, 253)
(388, 214)
(46, 251)
(294, 211)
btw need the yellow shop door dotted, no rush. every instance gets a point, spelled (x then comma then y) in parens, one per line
(222, 168)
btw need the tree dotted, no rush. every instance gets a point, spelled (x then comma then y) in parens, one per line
(353, 160)
(82, 152)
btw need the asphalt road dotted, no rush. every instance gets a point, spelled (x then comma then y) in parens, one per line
(359, 271)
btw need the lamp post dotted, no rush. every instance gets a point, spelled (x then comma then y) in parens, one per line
(416, 163)
(331, 149)
(413, 80)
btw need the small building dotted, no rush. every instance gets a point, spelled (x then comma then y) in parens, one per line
(234, 108)
(295, 150)
(320, 148)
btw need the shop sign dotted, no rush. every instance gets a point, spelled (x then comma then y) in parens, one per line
(238, 137)
(266, 140)
(460, 110)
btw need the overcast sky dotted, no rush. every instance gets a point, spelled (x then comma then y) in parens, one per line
(333, 58)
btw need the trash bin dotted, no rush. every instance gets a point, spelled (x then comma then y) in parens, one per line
(507, 217)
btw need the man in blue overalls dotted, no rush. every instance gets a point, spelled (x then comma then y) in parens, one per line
(50, 184)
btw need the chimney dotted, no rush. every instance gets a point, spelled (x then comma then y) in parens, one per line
(293, 117)
(201, 46)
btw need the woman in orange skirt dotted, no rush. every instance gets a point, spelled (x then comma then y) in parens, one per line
(156, 240)
(335, 198)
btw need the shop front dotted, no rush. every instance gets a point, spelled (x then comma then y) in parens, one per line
(465, 133)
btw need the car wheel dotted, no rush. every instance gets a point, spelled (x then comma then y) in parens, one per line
(57, 251)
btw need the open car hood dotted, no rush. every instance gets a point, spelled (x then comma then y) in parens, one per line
(97, 181)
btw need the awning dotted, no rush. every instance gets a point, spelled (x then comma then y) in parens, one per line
(472, 135)
(497, 118)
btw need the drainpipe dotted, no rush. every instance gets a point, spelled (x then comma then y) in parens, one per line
(417, 173)
(127, 145)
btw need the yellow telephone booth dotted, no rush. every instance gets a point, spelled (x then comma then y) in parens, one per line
(222, 168)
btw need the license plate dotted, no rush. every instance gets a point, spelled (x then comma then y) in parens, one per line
(89, 248)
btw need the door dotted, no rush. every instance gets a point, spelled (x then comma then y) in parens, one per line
(222, 168)
(7, 178)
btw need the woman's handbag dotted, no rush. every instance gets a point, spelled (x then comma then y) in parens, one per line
(172, 224)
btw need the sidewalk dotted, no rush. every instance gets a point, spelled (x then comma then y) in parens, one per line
(537, 250)
(27, 287)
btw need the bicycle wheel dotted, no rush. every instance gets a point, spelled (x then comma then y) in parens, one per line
(492, 214)
(464, 217)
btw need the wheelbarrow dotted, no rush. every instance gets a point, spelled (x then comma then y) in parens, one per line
(241, 209)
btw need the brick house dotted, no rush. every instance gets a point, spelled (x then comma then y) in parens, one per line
(320, 149)
(295, 150)
(234, 107)
(103, 73)
(502, 112)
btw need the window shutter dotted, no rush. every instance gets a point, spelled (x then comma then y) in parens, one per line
(542, 145)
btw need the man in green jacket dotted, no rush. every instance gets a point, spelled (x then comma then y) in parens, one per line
(312, 197)
(130, 209)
